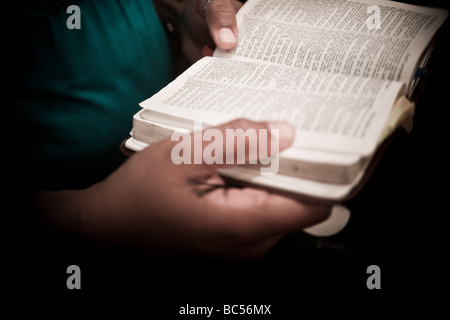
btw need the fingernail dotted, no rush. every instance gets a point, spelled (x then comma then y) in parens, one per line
(226, 35)
(286, 132)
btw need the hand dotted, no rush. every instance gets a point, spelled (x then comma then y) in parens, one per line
(215, 26)
(152, 203)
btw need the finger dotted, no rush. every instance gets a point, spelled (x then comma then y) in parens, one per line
(221, 18)
(251, 214)
(195, 26)
(237, 142)
(243, 141)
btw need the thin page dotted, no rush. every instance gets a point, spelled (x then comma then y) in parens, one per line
(315, 189)
(331, 112)
(337, 36)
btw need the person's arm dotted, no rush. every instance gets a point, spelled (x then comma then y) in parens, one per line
(194, 24)
(209, 23)
(151, 203)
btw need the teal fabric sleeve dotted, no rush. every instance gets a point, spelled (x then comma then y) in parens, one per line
(76, 90)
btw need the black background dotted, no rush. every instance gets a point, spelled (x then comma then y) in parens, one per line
(398, 223)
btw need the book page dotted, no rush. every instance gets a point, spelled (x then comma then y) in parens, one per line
(337, 36)
(315, 189)
(330, 111)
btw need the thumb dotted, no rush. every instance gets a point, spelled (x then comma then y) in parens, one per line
(221, 18)
(244, 141)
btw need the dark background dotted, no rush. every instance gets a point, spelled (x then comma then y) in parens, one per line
(398, 223)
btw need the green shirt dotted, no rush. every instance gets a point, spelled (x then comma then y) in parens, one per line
(78, 89)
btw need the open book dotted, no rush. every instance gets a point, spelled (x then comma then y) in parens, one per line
(345, 80)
